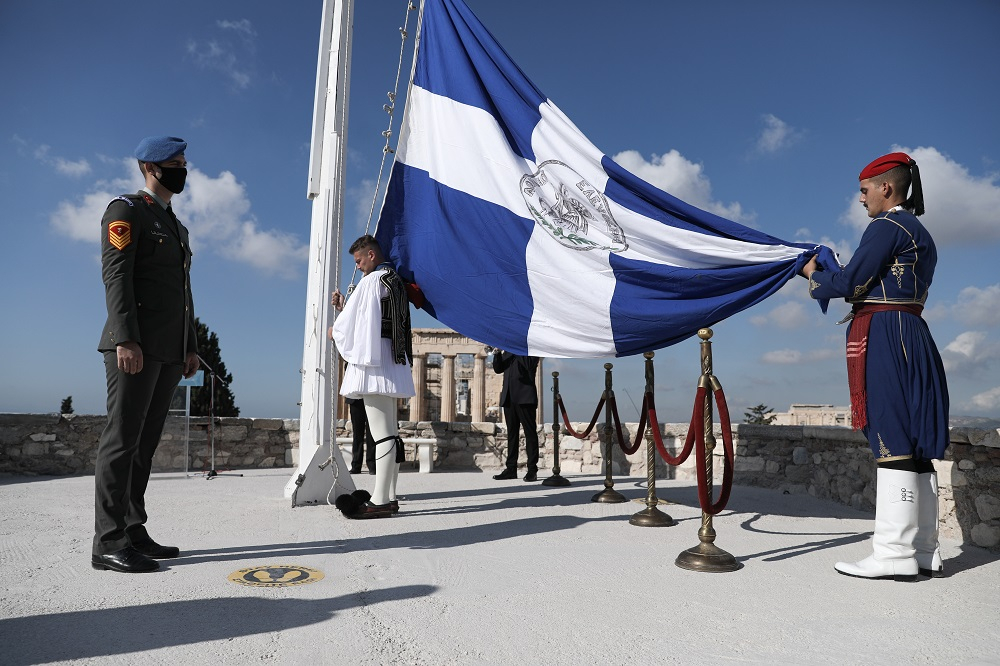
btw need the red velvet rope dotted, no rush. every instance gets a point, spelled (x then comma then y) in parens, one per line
(569, 428)
(704, 492)
(696, 435)
(629, 450)
(699, 402)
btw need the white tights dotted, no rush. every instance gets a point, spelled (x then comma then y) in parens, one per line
(381, 413)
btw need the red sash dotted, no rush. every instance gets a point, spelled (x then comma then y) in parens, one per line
(857, 355)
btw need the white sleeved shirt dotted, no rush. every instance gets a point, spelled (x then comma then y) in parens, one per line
(357, 332)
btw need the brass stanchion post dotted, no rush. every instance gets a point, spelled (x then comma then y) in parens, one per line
(706, 556)
(555, 479)
(609, 494)
(651, 516)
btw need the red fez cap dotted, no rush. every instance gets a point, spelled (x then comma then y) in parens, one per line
(884, 163)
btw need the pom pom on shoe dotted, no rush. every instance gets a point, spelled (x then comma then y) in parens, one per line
(348, 504)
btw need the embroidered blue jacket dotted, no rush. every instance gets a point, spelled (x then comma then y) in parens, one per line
(894, 263)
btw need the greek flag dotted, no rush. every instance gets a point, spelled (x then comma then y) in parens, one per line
(523, 235)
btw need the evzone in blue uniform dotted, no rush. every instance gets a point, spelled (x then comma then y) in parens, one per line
(899, 394)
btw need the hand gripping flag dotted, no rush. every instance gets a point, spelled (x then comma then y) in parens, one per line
(524, 236)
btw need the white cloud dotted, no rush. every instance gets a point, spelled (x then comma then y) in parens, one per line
(842, 248)
(225, 58)
(966, 343)
(937, 312)
(987, 399)
(74, 169)
(42, 153)
(243, 28)
(219, 213)
(961, 208)
(979, 307)
(216, 211)
(795, 357)
(782, 357)
(79, 219)
(358, 207)
(685, 180)
(776, 135)
(790, 315)
(272, 251)
(970, 353)
(214, 206)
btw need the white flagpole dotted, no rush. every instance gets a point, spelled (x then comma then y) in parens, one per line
(312, 484)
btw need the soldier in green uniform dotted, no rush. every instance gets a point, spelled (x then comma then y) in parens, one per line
(148, 342)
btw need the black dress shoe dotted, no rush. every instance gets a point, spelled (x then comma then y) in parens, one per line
(369, 510)
(531, 476)
(355, 471)
(394, 506)
(156, 551)
(126, 560)
(505, 475)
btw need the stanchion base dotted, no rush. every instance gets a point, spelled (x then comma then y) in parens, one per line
(651, 517)
(608, 496)
(211, 474)
(556, 480)
(659, 500)
(707, 557)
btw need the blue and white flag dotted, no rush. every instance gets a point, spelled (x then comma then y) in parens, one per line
(525, 236)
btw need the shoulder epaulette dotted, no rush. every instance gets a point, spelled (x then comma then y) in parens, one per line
(130, 199)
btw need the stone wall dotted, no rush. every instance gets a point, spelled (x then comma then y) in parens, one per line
(836, 463)
(826, 462)
(67, 443)
(975, 484)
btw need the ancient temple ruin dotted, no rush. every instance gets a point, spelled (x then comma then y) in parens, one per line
(453, 380)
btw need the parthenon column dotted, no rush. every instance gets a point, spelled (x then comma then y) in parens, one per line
(418, 410)
(479, 388)
(448, 388)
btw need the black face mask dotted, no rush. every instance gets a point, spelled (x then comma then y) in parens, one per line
(173, 178)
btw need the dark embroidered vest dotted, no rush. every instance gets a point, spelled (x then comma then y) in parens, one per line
(396, 315)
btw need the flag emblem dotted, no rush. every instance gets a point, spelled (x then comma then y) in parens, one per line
(564, 204)
(120, 234)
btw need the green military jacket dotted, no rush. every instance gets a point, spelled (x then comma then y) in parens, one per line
(146, 266)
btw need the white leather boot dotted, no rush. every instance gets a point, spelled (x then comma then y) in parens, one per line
(926, 542)
(895, 528)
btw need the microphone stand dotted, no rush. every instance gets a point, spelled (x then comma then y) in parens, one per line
(212, 473)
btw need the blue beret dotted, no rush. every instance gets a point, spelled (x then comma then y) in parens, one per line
(159, 148)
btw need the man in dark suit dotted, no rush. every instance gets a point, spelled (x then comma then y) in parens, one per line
(149, 341)
(519, 399)
(363, 445)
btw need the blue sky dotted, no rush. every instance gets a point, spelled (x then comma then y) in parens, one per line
(763, 112)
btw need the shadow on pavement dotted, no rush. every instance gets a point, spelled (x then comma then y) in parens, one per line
(836, 540)
(113, 631)
(449, 537)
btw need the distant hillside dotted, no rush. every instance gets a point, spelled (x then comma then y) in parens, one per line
(973, 422)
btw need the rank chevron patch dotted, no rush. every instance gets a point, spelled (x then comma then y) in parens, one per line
(120, 234)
